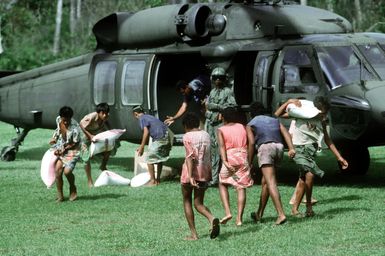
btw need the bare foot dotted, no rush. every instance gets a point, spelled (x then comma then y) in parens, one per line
(191, 238)
(225, 219)
(313, 201)
(73, 197)
(280, 220)
(151, 183)
(73, 194)
(255, 217)
(297, 214)
(59, 199)
(310, 213)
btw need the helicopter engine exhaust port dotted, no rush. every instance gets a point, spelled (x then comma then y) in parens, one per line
(157, 27)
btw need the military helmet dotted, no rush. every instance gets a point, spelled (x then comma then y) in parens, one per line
(218, 72)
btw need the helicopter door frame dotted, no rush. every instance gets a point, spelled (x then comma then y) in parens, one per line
(135, 78)
(262, 89)
(153, 90)
(103, 73)
(134, 89)
(296, 74)
(123, 81)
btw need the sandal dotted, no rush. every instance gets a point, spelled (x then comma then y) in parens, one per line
(215, 229)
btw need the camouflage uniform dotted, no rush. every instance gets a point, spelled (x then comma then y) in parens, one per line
(219, 99)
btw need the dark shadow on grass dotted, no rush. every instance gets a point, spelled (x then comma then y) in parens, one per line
(339, 210)
(248, 226)
(287, 174)
(265, 220)
(326, 215)
(229, 232)
(99, 197)
(339, 199)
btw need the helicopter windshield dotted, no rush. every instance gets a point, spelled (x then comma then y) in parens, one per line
(375, 57)
(341, 66)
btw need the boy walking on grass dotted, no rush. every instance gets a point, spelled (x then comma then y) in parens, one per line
(66, 142)
(196, 175)
(92, 124)
(159, 149)
(306, 135)
(266, 133)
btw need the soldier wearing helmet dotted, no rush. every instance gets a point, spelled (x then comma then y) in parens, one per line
(220, 97)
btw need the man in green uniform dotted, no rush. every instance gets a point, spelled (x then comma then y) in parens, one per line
(220, 97)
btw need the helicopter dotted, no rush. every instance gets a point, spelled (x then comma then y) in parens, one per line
(271, 50)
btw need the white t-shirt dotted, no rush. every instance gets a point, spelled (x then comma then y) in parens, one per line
(307, 131)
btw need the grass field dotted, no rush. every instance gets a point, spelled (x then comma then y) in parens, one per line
(120, 220)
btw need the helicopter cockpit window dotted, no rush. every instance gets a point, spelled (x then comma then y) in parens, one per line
(375, 57)
(104, 82)
(132, 82)
(342, 66)
(297, 74)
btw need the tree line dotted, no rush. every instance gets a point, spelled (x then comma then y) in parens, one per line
(34, 33)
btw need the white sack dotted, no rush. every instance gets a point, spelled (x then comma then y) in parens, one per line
(47, 169)
(306, 111)
(105, 141)
(110, 178)
(140, 179)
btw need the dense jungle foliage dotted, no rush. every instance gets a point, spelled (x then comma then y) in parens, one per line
(27, 27)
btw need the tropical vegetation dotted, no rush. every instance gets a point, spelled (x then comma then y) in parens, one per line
(37, 32)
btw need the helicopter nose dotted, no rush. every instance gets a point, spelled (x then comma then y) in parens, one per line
(375, 97)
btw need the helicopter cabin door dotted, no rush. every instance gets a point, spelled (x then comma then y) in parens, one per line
(168, 70)
(296, 74)
(262, 90)
(122, 82)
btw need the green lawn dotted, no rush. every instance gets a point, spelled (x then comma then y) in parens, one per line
(120, 220)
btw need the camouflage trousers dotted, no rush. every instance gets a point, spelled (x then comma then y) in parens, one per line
(211, 129)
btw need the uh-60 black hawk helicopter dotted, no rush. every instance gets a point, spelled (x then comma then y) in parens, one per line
(272, 51)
